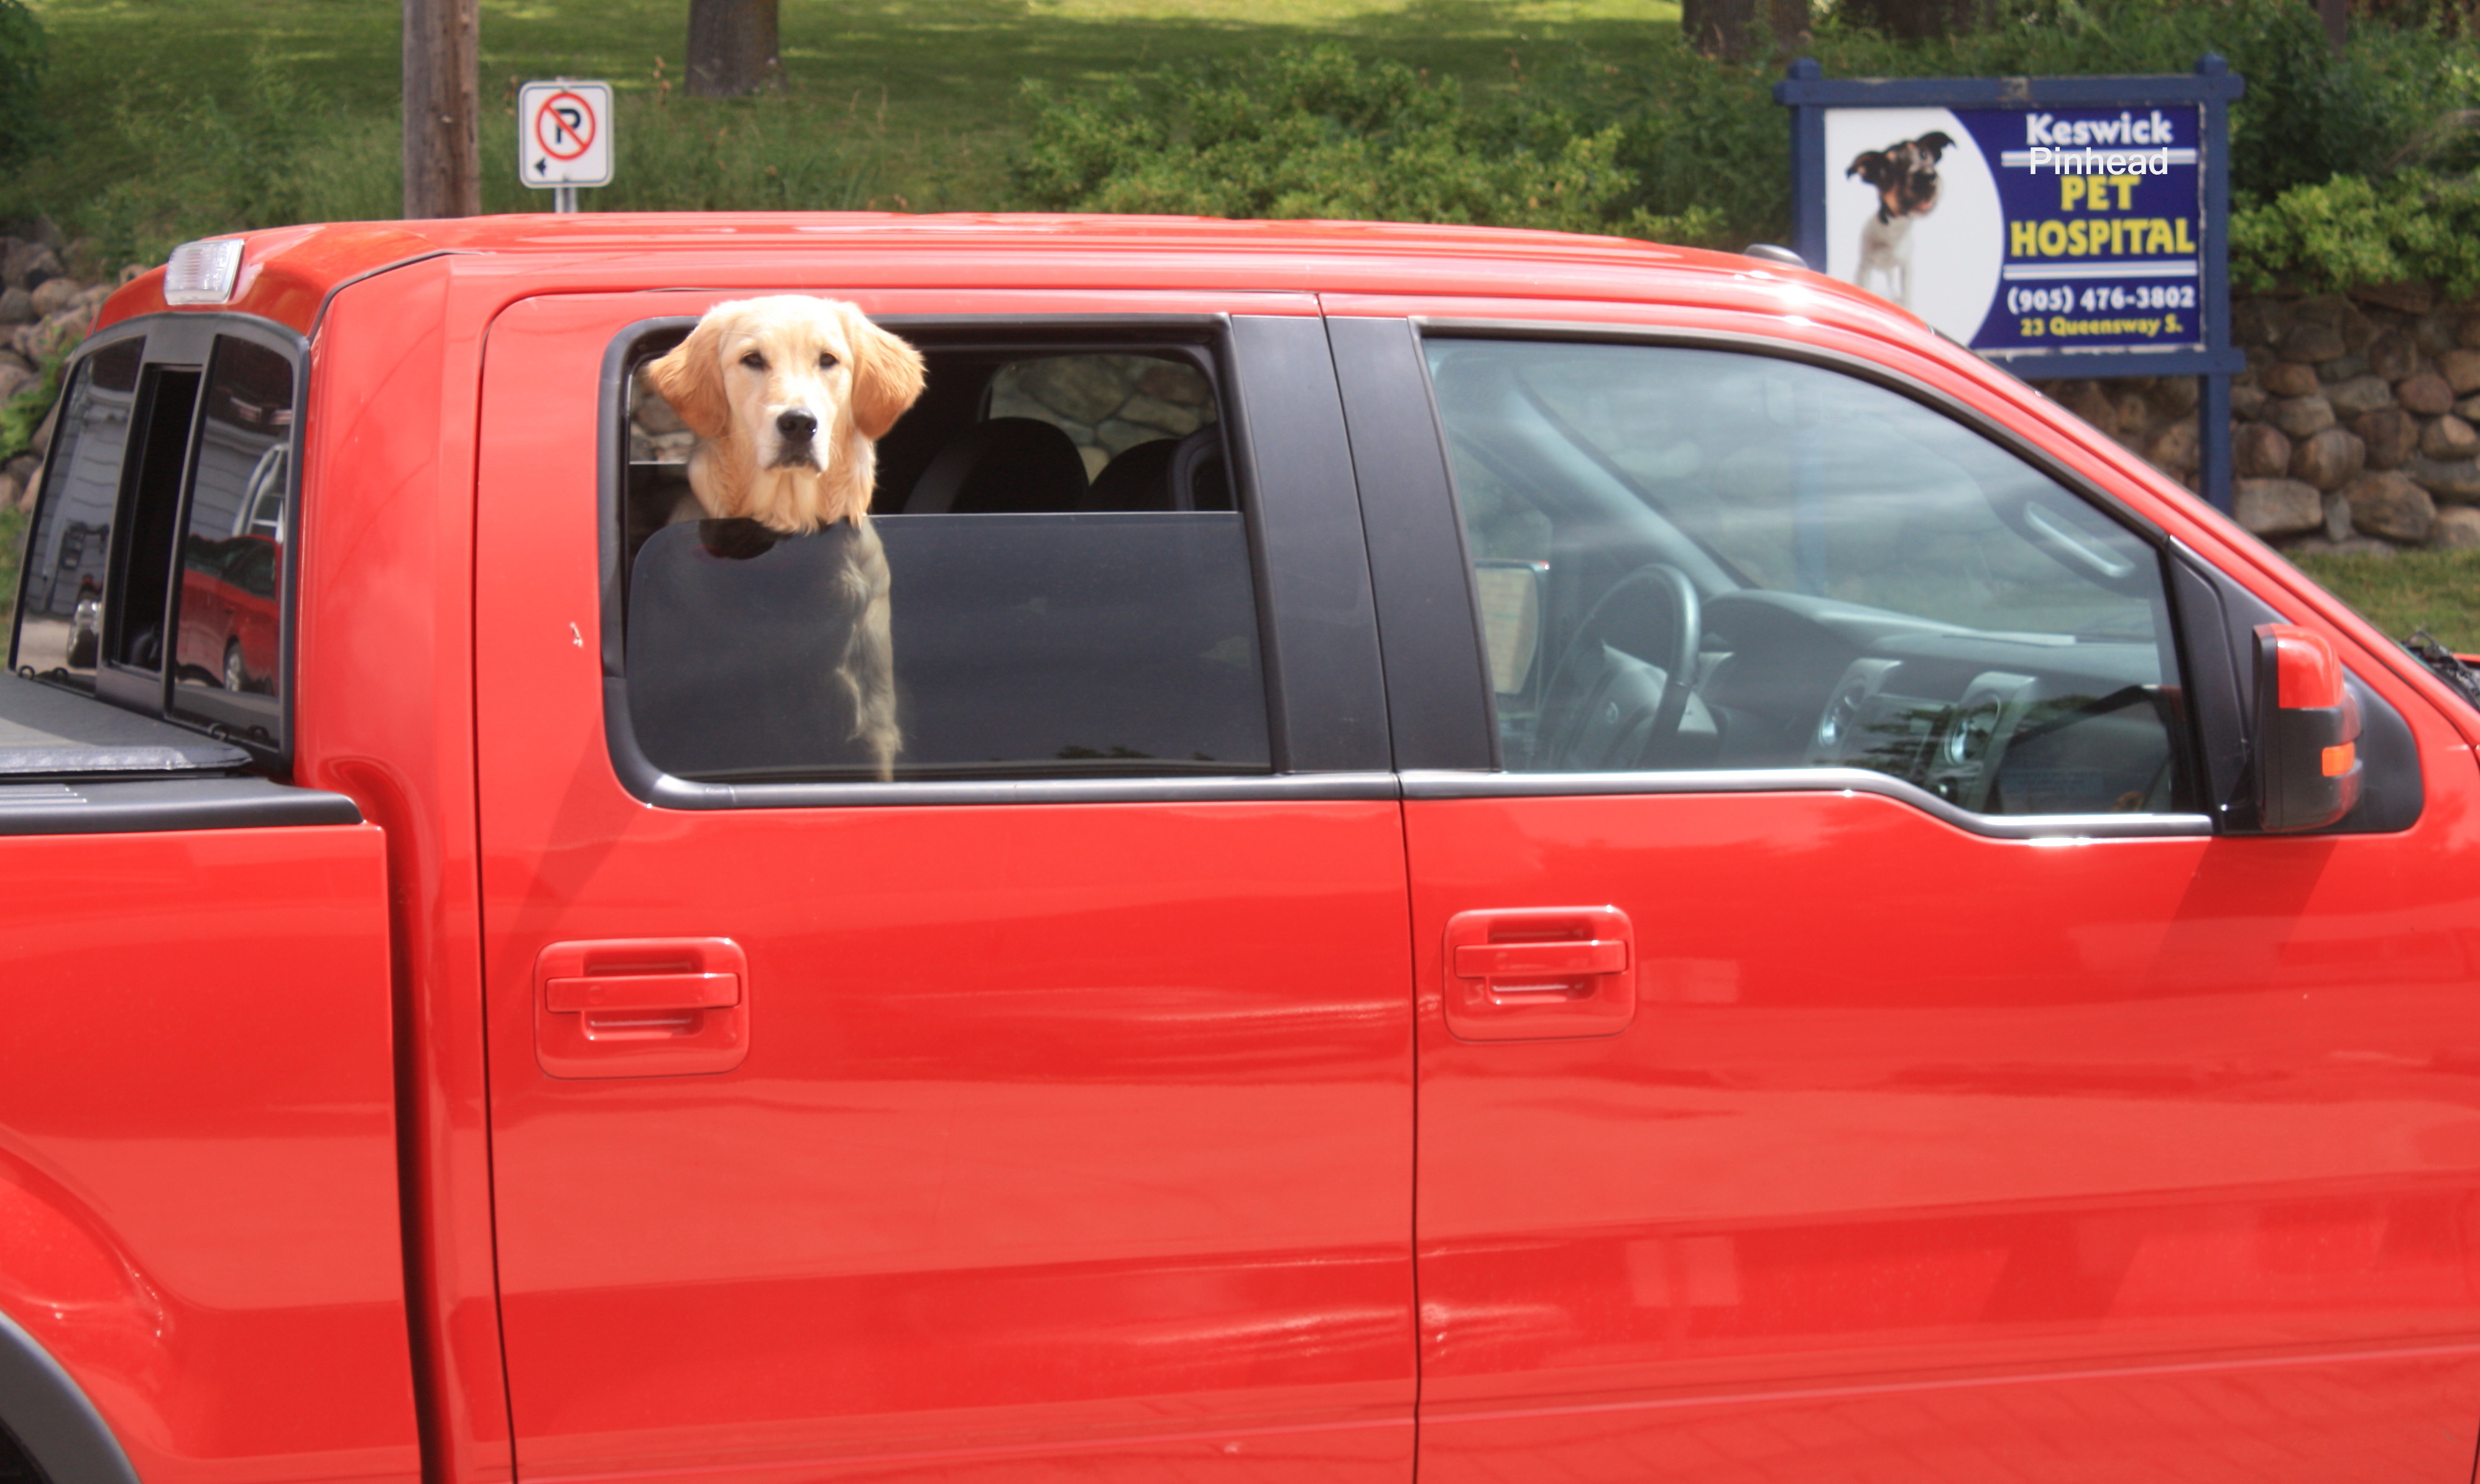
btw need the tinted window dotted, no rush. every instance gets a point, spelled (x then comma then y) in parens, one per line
(1070, 588)
(68, 557)
(1691, 558)
(229, 656)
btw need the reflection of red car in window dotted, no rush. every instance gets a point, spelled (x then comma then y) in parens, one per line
(228, 622)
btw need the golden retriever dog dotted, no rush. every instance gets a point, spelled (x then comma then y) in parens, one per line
(788, 395)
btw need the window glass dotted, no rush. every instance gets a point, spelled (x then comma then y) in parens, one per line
(1106, 404)
(228, 662)
(1068, 578)
(1691, 559)
(68, 556)
(144, 537)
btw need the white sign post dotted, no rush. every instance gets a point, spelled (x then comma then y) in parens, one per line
(564, 137)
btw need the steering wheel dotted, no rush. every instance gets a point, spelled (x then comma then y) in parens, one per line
(1605, 708)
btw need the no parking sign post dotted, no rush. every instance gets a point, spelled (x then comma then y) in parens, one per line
(564, 137)
(2059, 227)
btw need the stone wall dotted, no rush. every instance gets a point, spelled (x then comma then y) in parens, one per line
(44, 308)
(2353, 429)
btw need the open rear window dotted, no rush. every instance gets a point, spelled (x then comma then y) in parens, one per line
(1068, 584)
(157, 570)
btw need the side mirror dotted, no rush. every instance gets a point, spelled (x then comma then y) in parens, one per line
(2307, 731)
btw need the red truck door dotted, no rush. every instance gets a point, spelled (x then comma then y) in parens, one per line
(1866, 1059)
(1043, 1112)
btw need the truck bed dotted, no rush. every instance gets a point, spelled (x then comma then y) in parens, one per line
(72, 765)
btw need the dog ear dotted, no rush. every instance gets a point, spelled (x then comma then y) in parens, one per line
(1935, 143)
(690, 378)
(886, 376)
(1870, 166)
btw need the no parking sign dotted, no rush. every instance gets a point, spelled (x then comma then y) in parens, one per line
(564, 134)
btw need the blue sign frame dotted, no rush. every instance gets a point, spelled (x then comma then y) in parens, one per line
(1811, 95)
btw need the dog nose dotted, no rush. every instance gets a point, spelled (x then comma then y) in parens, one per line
(795, 424)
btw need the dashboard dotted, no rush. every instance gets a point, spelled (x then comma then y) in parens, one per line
(1995, 723)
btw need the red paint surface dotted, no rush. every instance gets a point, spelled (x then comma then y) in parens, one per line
(198, 1165)
(385, 715)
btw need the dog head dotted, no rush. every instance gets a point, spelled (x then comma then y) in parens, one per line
(1905, 175)
(786, 395)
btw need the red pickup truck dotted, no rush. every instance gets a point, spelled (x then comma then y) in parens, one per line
(1515, 857)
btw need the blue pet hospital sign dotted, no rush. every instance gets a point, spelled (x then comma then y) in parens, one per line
(2105, 223)
(2062, 226)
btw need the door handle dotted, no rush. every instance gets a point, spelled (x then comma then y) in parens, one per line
(1534, 973)
(641, 1007)
(1556, 962)
(642, 992)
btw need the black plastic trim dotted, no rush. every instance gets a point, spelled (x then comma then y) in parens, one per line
(2219, 684)
(1808, 780)
(121, 806)
(58, 1429)
(1428, 623)
(2217, 622)
(1325, 677)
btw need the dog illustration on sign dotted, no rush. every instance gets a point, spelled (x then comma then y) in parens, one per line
(1906, 181)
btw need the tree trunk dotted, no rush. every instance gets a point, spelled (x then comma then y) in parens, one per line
(2336, 16)
(1790, 27)
(1919, 21)
(442, 164)
(1720, 28)
(732, 47)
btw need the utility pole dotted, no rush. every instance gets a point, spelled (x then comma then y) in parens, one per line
(442, 163)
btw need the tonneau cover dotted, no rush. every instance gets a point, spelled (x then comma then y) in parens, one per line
(49, 732)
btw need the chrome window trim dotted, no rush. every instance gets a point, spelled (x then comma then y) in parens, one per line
(1807, 780)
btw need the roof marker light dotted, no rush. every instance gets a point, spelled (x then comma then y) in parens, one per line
(202, 273)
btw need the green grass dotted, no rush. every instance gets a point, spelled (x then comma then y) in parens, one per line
(181, 119)
(2437, 591)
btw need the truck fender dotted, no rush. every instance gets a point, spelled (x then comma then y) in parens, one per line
(62, 1273)
(51, 1418)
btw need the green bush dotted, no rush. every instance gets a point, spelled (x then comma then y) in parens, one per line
(1322, 133)
(24, 50)
(273, 153)
(1709, 133)
(1662, 141)
(2351, 230)
(23, 414)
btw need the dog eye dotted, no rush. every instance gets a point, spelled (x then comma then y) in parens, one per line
(754, 362)
(826, 362)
